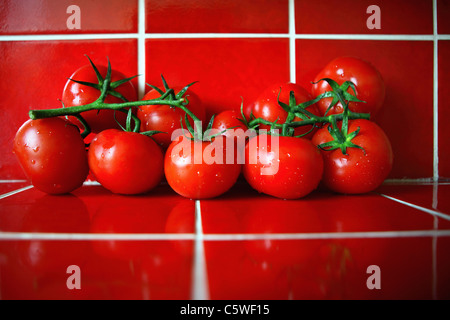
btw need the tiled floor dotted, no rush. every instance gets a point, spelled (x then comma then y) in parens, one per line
(242, 245)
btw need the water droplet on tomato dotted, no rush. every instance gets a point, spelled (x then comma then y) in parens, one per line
(33, 161)
(36, 149)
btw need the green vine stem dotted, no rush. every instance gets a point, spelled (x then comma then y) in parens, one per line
(311, 121)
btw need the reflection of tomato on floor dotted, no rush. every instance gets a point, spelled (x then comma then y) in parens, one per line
(284, 217)
(132, 215)
(54, 214)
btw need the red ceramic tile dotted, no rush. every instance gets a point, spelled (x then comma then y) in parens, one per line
(351, 17)
(35, 72)
(93, 209)
(56, 16)
(204, 16)
(329, 269)
(6, 187)
(433, 197)
(407, 114)
(244, 211)
(443, 110)
(37, 269)
(226, 69)
(443, 16)
(442, 275)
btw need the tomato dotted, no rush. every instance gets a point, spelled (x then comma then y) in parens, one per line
(52, 154)
(229, 119)
(289, 168)
(166, 118)
(125, 162)
(368, 83)
(200, 169)
(267, 107)
(357, 172)
(75, 94)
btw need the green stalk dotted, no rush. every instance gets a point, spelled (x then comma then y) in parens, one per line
(98, 105)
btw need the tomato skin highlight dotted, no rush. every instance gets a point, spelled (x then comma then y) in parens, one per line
(125, 162)
(75, 94)
(52, 155)
(368, 82)
(267, 107)
(192, 172)
(357, 172)
(294, 169)
(166, 118)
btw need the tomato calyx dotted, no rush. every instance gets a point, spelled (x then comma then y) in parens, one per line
(342, 139)
(339, 94)
(110, 86)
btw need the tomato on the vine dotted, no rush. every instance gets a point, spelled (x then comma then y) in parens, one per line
(285, 167)
(267, 107)
(52, 154)
(361, 170)
(125, 162)
(166, 118)
(368, 82)
(199, 169)
(227, 121)
(77, 94)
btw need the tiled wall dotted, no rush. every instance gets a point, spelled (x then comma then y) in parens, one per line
(236, 48)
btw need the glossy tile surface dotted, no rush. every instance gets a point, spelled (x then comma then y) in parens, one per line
(443, 16)
(38, 269)
(443, 110)
(56, 16)
(253, 246)
(399, 69)
(226, 69)
(206, 16)
(357, 17)
(430, 196)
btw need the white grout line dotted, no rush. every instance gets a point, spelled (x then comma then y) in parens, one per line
(8, 194)
(199, 265)
(107, 36)
(53, 37)
(292, 54)
(435, 97)
(141, 49)
(432, 212)
(199, 287)
(4, 235)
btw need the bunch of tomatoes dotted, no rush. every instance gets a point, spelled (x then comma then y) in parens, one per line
(284, 145)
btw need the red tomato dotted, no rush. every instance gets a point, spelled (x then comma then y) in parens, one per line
(125, 162)
(267, 107)
(289, 168)
(52, 154)
(357, 172)
(368, 83)
(226, 120)
(200, 169)
(166, 118)
(75, 94)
